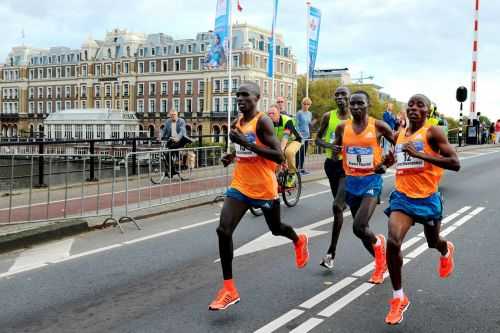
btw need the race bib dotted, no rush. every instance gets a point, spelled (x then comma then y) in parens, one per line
(332, 137)
(242, 152)
(405, 162)
(360, 158)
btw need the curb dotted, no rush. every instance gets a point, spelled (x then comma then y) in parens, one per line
(26, 238)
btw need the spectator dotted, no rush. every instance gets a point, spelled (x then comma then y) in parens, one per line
(304, 126)
(497, 132)
(174, 134)
(402, 120)
(492, 133)
(280, 101)
(390, 119)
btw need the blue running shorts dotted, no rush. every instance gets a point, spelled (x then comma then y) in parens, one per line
(425, 210)
(256, 203)
(357, 187)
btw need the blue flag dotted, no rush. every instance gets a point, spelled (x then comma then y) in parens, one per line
(313, 35)
(216, 56)
(272, 53)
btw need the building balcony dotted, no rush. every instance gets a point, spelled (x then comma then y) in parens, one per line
(222, 114)
(9, 116)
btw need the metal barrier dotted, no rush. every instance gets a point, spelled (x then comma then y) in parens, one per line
(66, 192)
(166, 176)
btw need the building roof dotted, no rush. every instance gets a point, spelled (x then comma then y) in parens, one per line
(97, 116)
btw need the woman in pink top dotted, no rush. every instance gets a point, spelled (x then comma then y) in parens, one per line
(497, 131)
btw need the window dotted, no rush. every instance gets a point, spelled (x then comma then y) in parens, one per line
(152, 89)
(31, 93)
(58, 106)
(58, 131)
(282, 89)
(289, 107)
(236, 61)
(32, 74)
(164, 88)
(79, 132)
(152, 66)
(140, 105)
(49, 92)
(125, 90)
(217, 86)
(177, 88)
(115, 131)
(188, 105)
(83, 91)
(177, 65)
(89, 132)
(58, 92)
(201, 87)
(108, 69)
(189, 65)
(40, 107)
(67, 105)
(97, 89)
(108, 104)
(68, 72)
(100, 132)
(265, 103)
(118, 67)
(201, 105)
(31, 107)
(125, 68)
(68, 131)
(257, 61)
(125, 105)
(234, 106)
(226, 104)
(266, 88)
(226, 85)
(282, 67)
(190, 48)
(152, 105)
(84, 104)
(49, 107)
(177, 49)
(217, 104)
(97, 70)
(58, 72)
(235, 85)
(289, 91)
(164, 106)
(202, 47)
(117, 89)
(141, 67)
(164, 66)
(84, 71)
(290, 68)
(67, 91)
(177, 104)
(141, 52)
(118, 104)
(189, 87)
(140, 89)
(107, 90)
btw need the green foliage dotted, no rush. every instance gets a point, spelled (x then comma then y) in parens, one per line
(452, 123)
(321, 94)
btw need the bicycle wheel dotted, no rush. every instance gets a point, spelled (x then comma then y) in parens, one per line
(256, 211)
(157, 170)
(291, 194)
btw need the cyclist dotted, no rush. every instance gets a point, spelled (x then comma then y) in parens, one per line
(291, 141)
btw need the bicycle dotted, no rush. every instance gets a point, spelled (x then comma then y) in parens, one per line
(290, 194)
(161, 170)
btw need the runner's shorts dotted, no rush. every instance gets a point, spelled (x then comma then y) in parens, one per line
(358, 187)
(256, 203)
(426, 210)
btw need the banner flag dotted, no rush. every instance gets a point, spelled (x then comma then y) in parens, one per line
(216, 56)
(313, 35)
(272, 53)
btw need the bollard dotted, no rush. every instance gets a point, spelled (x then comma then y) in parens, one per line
(92, 163)
(134, 156)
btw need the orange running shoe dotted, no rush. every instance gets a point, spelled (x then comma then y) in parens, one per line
(224, 299)
(447, 264)
(302, 251)
(398, 307)
(380, 262)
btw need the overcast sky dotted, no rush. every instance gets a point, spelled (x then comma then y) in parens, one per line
(409, 46)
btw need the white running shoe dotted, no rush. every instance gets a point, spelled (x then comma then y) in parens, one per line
(327, 261)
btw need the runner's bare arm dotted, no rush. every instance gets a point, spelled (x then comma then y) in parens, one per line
(448, 158)
(265, 132)
(322, 129)
(385, 131)
(337, 144)
(229, 158)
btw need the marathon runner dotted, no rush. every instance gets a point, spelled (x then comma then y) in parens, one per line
(290, 139)
(363, 165)
(254, 184)
(333, 166)
(422, 152)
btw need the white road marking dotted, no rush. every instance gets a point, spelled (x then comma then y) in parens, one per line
(313, 301)
(87, 253)
(342, 302)
(360, 290)
(191, 226)
(277, 323)
(308, 325)
(42, 254)
(141, 239)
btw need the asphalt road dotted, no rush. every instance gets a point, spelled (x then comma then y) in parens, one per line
(162, 278)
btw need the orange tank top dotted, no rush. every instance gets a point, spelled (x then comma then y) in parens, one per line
(415, 177)
(254, 176)
(361, 152)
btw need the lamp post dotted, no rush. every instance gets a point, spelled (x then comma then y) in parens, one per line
(461, 98)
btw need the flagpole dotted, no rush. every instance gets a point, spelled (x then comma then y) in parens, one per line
(308, 6)
(230, 74)
(275, 18)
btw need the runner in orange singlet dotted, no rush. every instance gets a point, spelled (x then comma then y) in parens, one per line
(363, 165)
(254, 184)
(422, 152)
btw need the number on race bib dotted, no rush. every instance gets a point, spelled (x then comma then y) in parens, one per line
(405, 162)
(242, 152)
(360, 158)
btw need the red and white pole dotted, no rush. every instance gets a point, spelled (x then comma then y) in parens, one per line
(475, 50)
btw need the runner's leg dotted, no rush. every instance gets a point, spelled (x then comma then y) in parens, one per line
(232, 213)
(399, 224)
(273, 220)
(362, 216)
(338, 214)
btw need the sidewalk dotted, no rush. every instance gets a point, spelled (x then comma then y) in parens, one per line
(22, 235)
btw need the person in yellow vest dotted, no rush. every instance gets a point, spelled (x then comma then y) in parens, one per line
(253, 184)
(433, 116)
(333, 166)
(422, 154)
(359, 140)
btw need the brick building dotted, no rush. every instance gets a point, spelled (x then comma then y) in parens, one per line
(136, 72)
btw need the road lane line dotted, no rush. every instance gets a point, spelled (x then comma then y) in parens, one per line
(308, 325)
(313, 301)
(363, 271)
(277, 323)
(342, 302)
(26, 269)
(191, 226)
(141, 239)
(418, 251)
(87, 253)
